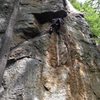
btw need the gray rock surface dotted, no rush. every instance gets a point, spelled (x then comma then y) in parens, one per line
(44, 67)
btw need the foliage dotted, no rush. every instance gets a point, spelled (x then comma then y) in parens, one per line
(92, 15)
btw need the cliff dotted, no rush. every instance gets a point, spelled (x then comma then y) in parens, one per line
(41, 66)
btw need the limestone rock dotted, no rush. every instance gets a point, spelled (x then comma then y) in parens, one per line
(49, 67)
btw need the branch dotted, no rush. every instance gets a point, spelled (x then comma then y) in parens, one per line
(6, 42)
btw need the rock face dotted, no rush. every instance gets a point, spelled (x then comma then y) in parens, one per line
(49, 67)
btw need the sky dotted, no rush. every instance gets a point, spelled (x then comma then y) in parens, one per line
(81, 1)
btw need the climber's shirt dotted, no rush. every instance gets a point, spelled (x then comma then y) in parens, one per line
(55, 26)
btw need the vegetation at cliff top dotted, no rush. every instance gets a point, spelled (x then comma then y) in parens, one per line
(91, 10)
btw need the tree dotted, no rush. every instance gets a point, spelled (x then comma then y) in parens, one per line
(6, 42)
(91, 9)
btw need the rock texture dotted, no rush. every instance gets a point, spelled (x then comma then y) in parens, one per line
(44, 67)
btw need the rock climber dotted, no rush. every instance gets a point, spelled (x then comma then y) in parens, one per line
(56, 24)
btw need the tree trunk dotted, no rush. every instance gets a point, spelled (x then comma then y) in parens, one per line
(7, 40)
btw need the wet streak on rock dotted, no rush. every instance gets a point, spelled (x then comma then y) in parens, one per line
(48, 16)
(52, 51)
